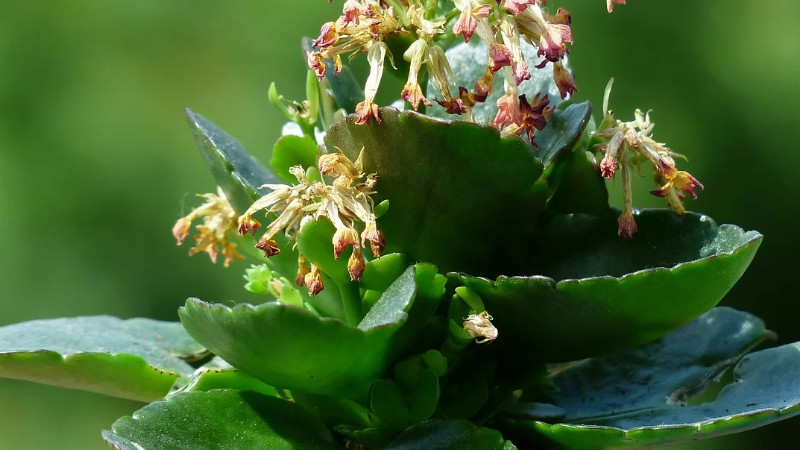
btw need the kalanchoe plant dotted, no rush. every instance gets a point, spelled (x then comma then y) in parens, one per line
(451, 277)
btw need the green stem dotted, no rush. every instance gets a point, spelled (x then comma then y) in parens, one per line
(351, 303)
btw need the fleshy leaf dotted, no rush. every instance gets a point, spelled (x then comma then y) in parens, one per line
(468, 61)
(236, 172)
(563, 131)
(221, 420)
(291, 151)
(576, 186)
(289, 347)
(645, 397)
(449, 435)
(206, 379)
(437, 175)
(603, 292)
(139, 359)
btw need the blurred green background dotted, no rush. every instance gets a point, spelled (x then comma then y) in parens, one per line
(97, 162)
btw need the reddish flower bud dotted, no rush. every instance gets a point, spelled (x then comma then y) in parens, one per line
(268, 246)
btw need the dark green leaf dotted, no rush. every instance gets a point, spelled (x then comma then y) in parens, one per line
(613, 292)
(139, 359)
(292, 151)
(577, 186)
(289, 347)
(440, 176)
(387, 402)
(646, 396)
(237, 173)
(220, 420)
(448, 435)
(563, 131)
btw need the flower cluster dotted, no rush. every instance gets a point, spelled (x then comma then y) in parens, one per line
(502, 25)
(627, 144)
(214, 234)
(345, 202)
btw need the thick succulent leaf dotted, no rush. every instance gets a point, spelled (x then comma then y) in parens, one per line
(469, 60)
(223, 419)
(289, 347)
(236, 172)
(206, 379)
(576, 186)
(612, 292)
(645, 397)
(563, 131)
(449, 435)
(139, 359)
(291, 151)
(438, 176)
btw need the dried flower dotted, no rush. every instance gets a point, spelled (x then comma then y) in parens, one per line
(214, 234)
(345, 203)
(627, 143)
(480, 327)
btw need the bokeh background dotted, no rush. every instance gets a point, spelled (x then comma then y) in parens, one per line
(96, 159)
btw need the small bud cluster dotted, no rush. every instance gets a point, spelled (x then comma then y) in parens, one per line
(214, 234)
(345, 203)
(501, 24)
(625, 145)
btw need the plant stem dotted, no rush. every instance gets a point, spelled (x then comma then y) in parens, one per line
(351, 303)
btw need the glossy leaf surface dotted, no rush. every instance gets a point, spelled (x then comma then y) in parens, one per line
(646, 396)
(439, 178)
(236, 172)
(139, 359)
(289, 347)
(612, 292)
(562, 132)
(449, 435)
(221, 420)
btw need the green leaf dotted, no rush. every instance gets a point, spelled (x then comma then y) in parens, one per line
(563, 131)
(647, 396)
(237, 173)
(292, 151)
(577, 186)
(387, 402)
(220, 420)
(291, 348)
(602, 292)
(439, 176)
(392, 306)
(138, 359)
(207, 379)
(448, 435)
(469, 61)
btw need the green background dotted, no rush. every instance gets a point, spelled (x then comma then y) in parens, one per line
(97, 162)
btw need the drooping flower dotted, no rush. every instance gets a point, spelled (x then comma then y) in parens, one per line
(215, 233)
(416, 55)
(471, 14)
(625, 144)
(368, 108)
